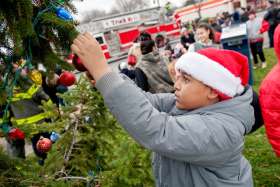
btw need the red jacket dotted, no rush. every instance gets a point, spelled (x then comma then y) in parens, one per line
(270, 99)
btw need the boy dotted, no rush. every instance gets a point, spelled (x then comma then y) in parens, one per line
(255, 39)
(197, 133)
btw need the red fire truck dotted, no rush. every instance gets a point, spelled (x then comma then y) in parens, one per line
(116, 33)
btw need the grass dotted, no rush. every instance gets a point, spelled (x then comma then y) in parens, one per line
(266, 166)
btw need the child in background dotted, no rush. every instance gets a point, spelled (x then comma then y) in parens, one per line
(256, 39)
(205, 38)
(197, 133)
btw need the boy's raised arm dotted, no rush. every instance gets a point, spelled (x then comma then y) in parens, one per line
(184, 138)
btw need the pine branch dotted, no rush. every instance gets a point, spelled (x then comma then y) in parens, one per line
(73, 142)
(73, 177)
(87, 180)
(67, 157)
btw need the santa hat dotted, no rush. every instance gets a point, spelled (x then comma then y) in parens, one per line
(225, 71)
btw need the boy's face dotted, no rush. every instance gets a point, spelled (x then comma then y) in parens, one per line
(192, 94)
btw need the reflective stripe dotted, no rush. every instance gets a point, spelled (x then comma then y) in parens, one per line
(29, 120)
(27, 95)
(32, 119)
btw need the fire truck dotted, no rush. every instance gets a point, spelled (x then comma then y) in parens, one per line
(209, 8)
(116, 33)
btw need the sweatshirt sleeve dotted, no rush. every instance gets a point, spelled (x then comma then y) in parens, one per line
(185, 138)
(163, 102)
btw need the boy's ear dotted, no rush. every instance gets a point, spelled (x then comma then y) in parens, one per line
(213, 94)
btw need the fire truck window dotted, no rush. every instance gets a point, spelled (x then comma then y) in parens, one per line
(100, 40)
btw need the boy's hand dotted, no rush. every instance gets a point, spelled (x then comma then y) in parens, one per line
(89, 50)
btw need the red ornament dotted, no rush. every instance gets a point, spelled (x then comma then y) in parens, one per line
(67, 78)
(70, 56)
(16, 134)
(44, 145)
(78, 64)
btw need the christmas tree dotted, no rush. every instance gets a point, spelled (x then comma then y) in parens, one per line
(92, 149)
(33, 34)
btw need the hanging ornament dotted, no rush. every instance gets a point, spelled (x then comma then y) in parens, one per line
(71, 56)
(67, 78)
(52, 80)
(63, 14)
(88, 119)
(37, 3)
(44, 145)
(36, 77)
(78, 64)
(61, 89)
(16, 134)
(54, 136)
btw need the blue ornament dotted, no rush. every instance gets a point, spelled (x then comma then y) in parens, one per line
(88, 119)
(61, 89)
(54, 136)
(63, 14)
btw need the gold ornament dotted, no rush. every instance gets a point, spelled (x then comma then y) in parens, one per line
(36, 77)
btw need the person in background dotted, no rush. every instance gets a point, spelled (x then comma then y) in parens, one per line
(220, 19)
(255, 39)
(227, 20)
(213, 23)
(144, 36)
(133, 56)
(127, 70)
(236, 16)
(187, 38)
(245, 16)
(179, 50)
(164, 48)
(205, 36)
(162, 43)
(151, 74)
(134, 52)
(272, 18)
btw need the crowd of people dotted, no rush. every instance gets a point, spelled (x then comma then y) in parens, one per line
(197, 35)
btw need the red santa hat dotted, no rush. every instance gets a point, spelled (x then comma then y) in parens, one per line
(225, 71)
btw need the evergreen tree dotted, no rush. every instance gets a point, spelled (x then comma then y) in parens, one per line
(92, 148)
(32, 34)
(38, 32)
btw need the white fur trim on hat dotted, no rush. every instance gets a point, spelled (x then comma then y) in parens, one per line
(210, 73)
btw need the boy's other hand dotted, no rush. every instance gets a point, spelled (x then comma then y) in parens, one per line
(91, 54)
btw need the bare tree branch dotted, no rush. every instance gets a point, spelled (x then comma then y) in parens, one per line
(129, 5)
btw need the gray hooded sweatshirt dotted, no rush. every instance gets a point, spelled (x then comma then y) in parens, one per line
(198, 148)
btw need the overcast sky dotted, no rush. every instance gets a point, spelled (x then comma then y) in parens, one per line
(87, 5)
